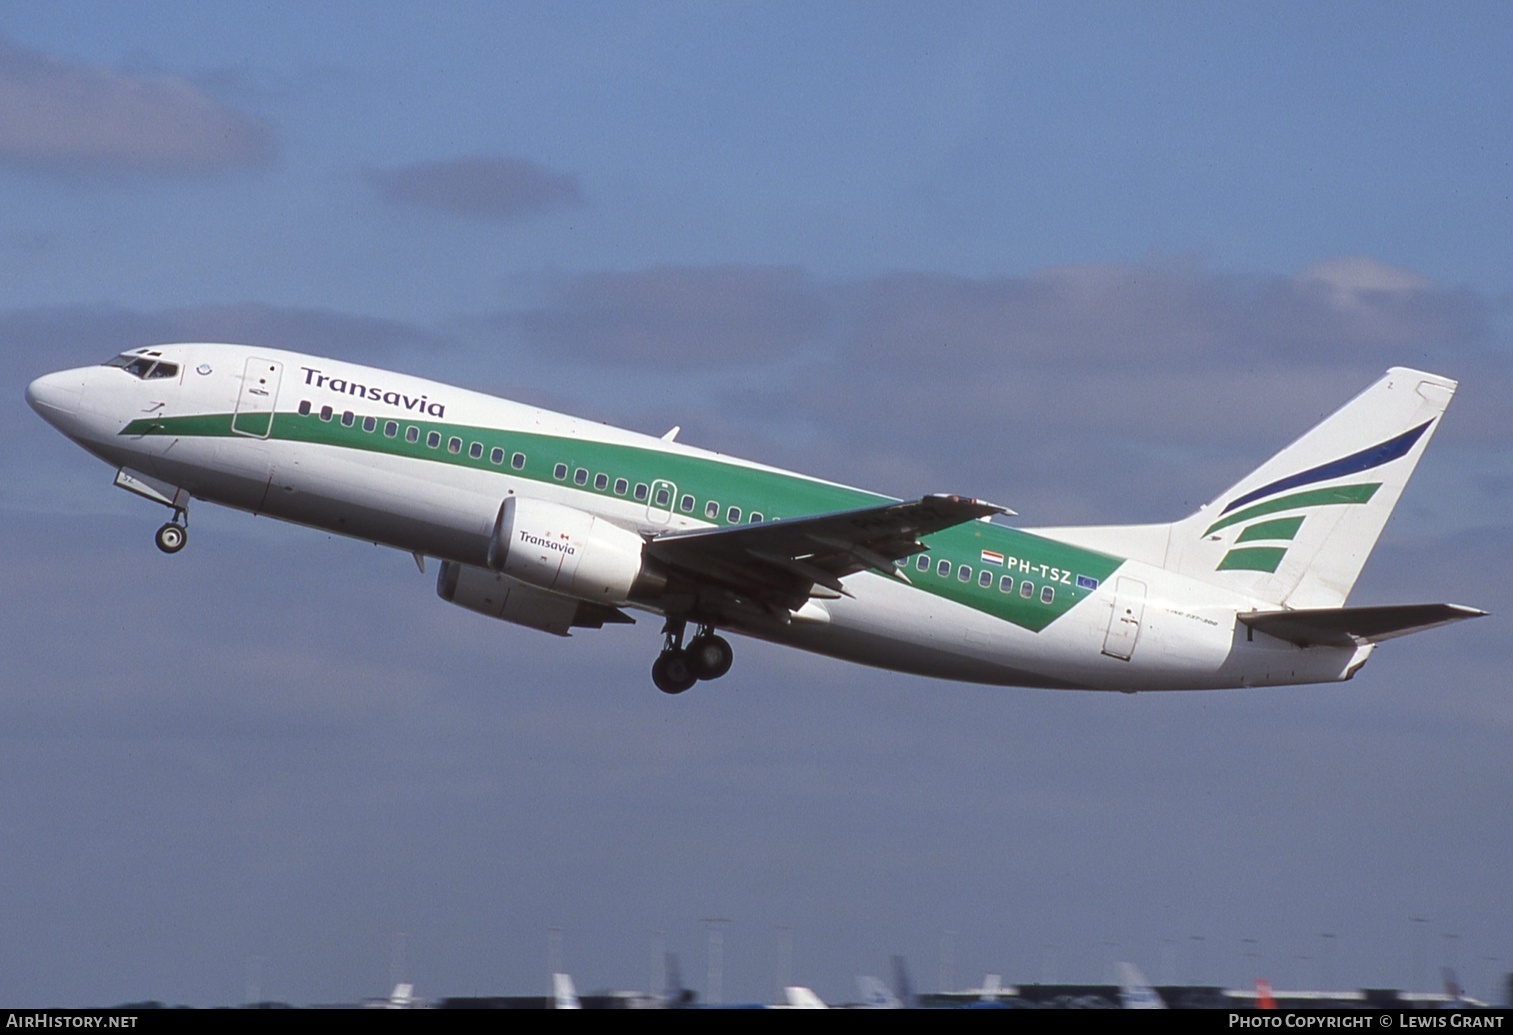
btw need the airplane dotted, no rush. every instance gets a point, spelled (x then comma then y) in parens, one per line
(558, 523)
(800, 997)
(1135, 993)
(564, 994)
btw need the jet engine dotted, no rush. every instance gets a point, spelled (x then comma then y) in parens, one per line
(571, 552)
(499, 596)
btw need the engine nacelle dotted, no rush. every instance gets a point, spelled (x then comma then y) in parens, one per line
(570, 551)
(500, 596)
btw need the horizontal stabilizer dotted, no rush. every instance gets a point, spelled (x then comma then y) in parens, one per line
(1351, 626)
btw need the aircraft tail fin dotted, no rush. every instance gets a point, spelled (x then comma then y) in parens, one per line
(876, 995)
(1134, 992)
(1297, 530)
(800, 998)
(902, 984)
(1455, 995)
(564, 994)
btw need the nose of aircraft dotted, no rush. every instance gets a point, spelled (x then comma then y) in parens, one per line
(54, 396)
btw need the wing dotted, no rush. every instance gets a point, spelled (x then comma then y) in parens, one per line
(777, 566)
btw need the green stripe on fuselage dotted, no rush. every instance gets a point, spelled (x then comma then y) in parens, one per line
(774, 494)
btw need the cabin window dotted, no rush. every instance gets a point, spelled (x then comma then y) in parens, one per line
(641, 491)
(304, 407)
(922, 563)
(559, 472)
(1027, 589)
(391, 428)
(454, 444)
(712, 510)
(433, 439)
(985, 580)
(580, 476)
(476, 451)
(621, 486)
(496, 456)
(964, 573)
(1006, 584)
(664, 497)
(412, 434)
(733, 515)
(754, 519)
(370, 424)
(1048, 594)
(325, 413)
(518, 461)
(348, 418)
(601, 482)
(943, 569)
(686, 504)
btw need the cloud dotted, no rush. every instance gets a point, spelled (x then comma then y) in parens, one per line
(698, 316)
(1121, 316)
(1139, 315)
(495, 189)
(1140, 386)
(59, 116)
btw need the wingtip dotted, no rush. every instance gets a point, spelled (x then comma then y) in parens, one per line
(989, 509)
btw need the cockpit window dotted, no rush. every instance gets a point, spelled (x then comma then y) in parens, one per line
(144, 367)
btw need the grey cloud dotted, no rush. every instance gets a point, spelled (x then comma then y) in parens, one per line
(81, 119)
(1060, 389)
(698, 316)
(1139, 315)
(1147, 389)
(482, 187)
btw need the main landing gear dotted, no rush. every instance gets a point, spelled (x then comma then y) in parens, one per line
(677, 668)
(172, 536)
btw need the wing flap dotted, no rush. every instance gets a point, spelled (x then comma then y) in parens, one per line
(1352, 626)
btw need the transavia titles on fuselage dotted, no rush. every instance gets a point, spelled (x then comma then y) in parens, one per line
(554, 523)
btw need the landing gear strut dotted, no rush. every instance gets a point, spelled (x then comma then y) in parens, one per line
(707, 656)
(172, 536)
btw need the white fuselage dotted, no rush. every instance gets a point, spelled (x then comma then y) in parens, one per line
(223, 432)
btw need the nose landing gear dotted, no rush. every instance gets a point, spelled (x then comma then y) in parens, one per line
(172, 536)
(707, 656)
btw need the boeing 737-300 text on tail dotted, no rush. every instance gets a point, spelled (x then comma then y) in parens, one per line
(559, 523)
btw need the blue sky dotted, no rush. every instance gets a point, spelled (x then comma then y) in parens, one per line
(1093, 261)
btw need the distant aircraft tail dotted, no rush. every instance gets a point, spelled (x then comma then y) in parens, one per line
(675, 996)
(564, 994)
(876, 995)
(1134, 992)
(1455, 995)
(901, 983)
(1297, 530)
(801, 998)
